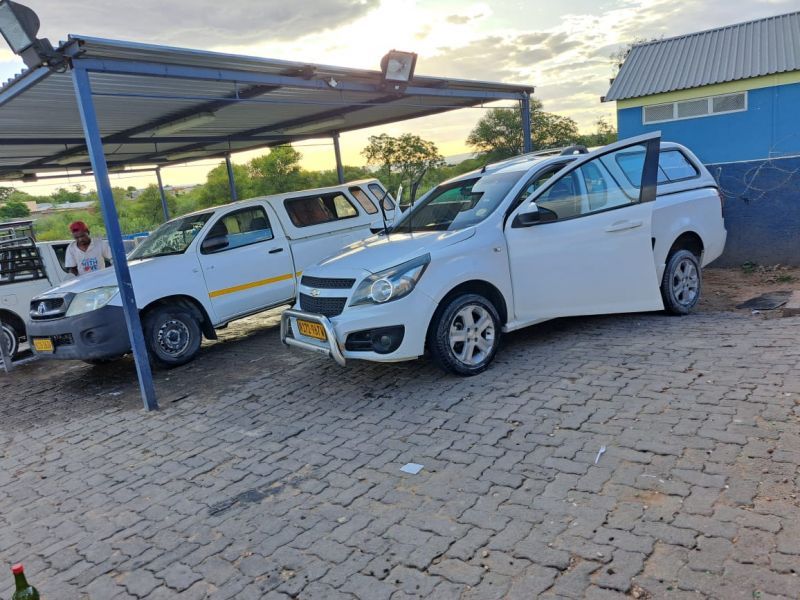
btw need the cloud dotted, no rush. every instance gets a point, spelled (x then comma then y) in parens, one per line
(197, 23)
(458, 19)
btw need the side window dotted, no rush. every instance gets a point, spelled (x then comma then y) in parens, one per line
(362, 198)
(242, 228)
(672, 166)
(601, 184)
(60, 251)
(323, 208)
(538, 180)
(388, 203)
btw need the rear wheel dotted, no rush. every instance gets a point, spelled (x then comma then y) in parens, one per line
(10, 337)
(172, 335)
(465, 335)
(680, 286)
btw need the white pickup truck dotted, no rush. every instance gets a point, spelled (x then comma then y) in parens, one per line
(625, 228)
(198, 272)
(27, 268)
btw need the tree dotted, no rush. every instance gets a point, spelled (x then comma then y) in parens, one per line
(147, 206)
(5, 193)
(216, 189)
(13, 210)
(277, 172)
(64, 196)
(604, 134)
(402, 160)
(498, 134)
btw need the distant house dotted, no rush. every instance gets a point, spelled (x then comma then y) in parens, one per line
(732, 95)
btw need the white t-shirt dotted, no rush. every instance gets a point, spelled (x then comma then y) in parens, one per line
(93, 259)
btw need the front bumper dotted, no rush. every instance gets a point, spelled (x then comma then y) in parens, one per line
(97, 334)
(413, 312)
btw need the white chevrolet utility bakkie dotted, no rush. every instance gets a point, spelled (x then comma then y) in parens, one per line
(198, 272)
(624, 228)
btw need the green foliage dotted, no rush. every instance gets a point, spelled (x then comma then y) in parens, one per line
(5, 192)
(402, 160)
(64, 196)
(217, 190)
(604, 134)
(277, 172)
(13, 210)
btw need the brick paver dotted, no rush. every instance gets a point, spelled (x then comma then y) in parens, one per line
(273, 474)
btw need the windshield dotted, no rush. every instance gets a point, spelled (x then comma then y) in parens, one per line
(460, 204)
(173, 237)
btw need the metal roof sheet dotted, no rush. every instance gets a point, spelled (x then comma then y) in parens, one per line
(40, 123)
(731, 53)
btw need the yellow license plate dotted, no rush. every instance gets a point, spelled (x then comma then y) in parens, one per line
(43, 344)
(311, 329)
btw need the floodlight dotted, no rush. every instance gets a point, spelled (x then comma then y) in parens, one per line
(316, 126)
(397, 67)
(19, 26)
(202, 118)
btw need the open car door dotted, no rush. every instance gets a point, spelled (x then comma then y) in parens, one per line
(581, 243)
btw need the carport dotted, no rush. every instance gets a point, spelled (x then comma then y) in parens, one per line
(98, 105)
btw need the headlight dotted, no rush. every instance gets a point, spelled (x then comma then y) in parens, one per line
(91, 300)
(391, 284)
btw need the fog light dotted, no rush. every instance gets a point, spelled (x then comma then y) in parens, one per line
(381, 341)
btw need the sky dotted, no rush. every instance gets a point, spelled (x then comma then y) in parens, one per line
(561, 48)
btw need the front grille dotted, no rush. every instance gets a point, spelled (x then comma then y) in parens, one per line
(329, 307)
(47, 308)
(327, 284)
(64, 339)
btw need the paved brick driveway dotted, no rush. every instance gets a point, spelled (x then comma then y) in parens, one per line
(271, 474)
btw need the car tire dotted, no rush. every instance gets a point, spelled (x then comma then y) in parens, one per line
(681, 283)
(10, 337)
(172, 335)
(455, 334)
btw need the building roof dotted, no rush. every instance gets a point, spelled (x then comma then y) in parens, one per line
(741, 51)
(138, 89)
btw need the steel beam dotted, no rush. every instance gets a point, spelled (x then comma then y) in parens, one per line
(164, 206)
(525, 108)
(94, 144)
(231, 178)
(338, 153)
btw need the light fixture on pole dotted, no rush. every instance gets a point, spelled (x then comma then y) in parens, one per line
(397, 69)
(19, 26)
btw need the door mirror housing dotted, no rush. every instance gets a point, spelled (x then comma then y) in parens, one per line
(214, 244)
(533, 214)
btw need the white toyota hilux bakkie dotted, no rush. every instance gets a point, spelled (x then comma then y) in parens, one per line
(624, 228)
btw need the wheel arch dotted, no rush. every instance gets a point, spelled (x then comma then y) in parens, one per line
(17, 322)
(688, 240)
(189, 303)
(474, 286)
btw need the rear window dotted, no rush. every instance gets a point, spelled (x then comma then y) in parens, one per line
(318, 209)
(672, 166)
(377, 189)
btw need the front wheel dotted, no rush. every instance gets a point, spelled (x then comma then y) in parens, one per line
(10, 338)
(172, 335)
(465, 335)
(680, 286)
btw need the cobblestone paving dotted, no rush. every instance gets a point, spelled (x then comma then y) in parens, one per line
(278, 476)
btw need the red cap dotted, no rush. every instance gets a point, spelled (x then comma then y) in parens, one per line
(78, 226)
(17, 569)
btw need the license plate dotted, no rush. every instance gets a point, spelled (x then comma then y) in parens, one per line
(43, 344)
(311, 329)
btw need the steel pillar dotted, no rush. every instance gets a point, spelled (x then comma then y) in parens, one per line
(94, 144)
(164, 206)
(338, 152)
(525, 108)
(231, 179)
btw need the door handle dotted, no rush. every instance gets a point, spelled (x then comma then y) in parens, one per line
(276, 250)
(624, 225)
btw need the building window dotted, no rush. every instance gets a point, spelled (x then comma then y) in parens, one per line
(691, 109)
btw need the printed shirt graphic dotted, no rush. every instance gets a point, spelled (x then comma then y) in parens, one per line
(93, 259)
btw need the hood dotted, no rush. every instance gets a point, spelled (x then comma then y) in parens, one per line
(377, 253)
(103, 278)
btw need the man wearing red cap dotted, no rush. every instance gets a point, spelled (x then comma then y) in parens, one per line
(85, 255)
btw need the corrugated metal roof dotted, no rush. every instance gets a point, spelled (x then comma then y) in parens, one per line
(40, 125)
(741, 51)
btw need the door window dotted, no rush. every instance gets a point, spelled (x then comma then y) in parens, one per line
(362, 198)
(242, 228)
(318, 209)
(388, 202)
(598, 185)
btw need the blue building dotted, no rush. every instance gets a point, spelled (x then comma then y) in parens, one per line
(732, 95)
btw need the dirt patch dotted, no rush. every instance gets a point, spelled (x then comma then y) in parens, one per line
(723, 289)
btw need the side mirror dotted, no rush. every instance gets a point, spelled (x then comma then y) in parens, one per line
(214, 244)
(532, 214)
